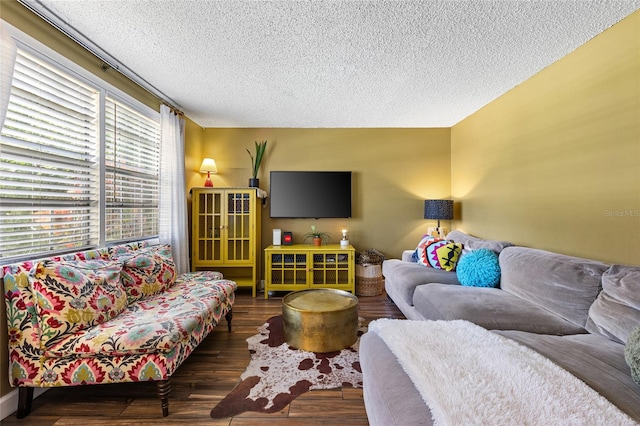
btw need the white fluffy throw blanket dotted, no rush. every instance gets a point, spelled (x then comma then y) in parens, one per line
(470, 376)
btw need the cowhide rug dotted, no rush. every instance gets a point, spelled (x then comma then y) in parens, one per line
(277, 373)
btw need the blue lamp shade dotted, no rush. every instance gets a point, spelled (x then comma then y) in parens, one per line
(438, 209)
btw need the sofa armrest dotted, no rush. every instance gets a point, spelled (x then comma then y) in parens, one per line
(407, 256)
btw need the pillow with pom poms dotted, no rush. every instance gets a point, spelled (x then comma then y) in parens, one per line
(479, 268)
(632, 354)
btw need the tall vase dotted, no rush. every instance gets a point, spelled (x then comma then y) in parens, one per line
(254, 183)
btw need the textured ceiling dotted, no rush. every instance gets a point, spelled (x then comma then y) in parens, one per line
(336, 63)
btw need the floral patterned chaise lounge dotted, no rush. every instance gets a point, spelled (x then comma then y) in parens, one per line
(107, 316)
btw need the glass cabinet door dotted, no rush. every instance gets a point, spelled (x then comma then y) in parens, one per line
(238, 226)
(209, 218)
(288, 269)
(331, 268)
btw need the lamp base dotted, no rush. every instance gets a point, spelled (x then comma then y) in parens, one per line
(437, 231)
(208, 183)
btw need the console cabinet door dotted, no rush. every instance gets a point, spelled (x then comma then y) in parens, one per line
(332, 269)
(288, 270)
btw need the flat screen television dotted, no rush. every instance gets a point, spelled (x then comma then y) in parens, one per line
(297, 194)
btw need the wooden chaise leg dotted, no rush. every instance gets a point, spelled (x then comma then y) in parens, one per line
(164, 389)
(25, 397)
(229, 317)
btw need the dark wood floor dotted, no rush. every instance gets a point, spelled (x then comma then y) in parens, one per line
(211, 372)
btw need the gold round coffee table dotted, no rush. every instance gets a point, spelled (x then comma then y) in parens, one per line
(320, 320)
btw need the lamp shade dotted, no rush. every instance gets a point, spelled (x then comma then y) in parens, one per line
(208, 165)
(438, 209)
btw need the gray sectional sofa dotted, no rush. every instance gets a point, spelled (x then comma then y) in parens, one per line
(576, 312)
(404, 276)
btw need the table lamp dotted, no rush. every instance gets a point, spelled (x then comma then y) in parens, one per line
(208, 166)
(438, 209)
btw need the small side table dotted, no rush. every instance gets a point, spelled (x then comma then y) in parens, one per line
(320, 320)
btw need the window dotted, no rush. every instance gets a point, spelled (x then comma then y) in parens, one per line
(59, 191)
(48, 174)
(131, 182)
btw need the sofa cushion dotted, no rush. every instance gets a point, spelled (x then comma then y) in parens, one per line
(564, 285)
(616, 311)
(402, 278)
(128, 248)
(156, 323)
(473, 243)
(488, 307)
(438, 253)
(200, 276)
(390, 397)
(479, 268)
(97, 254)
(595, 359)
(75, 295)
(148, 271)
(420, 254)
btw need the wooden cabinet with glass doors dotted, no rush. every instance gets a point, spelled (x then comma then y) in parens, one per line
(226, 233)
(303, 266)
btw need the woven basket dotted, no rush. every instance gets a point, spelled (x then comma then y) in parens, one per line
(372, 256)
(369, 280)
(369, 286)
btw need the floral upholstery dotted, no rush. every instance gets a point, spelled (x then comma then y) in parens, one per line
(74, 295)
(200, 276)
(148, 340)
(155, 323)
(98, 254)
(147, 271)
(123, 249)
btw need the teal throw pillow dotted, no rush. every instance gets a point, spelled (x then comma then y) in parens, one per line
(632, 354)
(479, 268)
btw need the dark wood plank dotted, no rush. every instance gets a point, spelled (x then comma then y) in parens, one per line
(207, 376)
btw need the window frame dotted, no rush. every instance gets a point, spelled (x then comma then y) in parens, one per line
(105, 90)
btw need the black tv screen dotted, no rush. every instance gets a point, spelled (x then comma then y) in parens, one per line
(310, 194)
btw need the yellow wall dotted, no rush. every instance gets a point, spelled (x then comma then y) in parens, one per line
(555, 162)
(394, 171)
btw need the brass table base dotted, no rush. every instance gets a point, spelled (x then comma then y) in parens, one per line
(320, 320)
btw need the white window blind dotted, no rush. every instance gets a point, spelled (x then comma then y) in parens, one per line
(131, 182)
(52, 193)
(48, 167)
